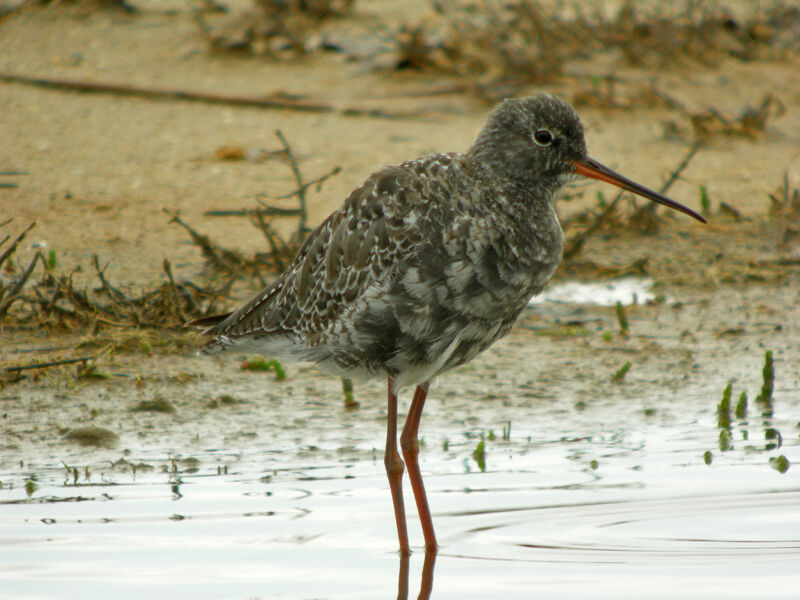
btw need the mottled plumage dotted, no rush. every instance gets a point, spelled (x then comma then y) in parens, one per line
(426, 264)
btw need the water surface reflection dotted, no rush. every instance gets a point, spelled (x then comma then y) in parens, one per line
(610, 503)
(537, 523)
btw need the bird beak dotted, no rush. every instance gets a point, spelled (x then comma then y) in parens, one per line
(589, 167)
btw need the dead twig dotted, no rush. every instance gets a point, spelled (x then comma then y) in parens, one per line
(501, 48)
(10, 250)
(784, 211)
(14, 294)
(7, 299)
(120, 5)
(220, 258)
(10, 186)
(277, 100)
(317, 181)
(301, 188)
(645, 215)
(575, 244)
(174, 292)
(113, 293)
(281, 251)
(750, 123)
(56, 300)
(47, 365)
(275, 28)
(676, 173)
(264, 211)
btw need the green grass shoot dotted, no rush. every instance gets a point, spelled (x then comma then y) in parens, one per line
(261, 364)
(741, 406)
(724, 409)
(622, 371)
(622, 318)
(479, 454)
(769, 380)
(779, 463)
(705, 201)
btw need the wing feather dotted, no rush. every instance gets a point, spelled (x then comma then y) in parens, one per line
(357, 248)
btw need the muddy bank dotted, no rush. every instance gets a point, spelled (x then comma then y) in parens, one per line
(99, 168)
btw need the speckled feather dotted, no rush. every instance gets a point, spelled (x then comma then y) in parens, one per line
(427, 263)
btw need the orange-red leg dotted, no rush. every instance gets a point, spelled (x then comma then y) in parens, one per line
(394, 469)
(410, 447)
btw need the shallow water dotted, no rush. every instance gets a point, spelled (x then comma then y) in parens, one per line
(271, 518)
(625, 290)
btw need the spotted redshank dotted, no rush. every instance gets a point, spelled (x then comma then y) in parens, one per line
(426, 265)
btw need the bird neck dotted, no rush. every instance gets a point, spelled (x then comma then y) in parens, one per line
(519, 180)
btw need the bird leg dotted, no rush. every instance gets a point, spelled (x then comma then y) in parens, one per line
(394, 469)
(410, 446)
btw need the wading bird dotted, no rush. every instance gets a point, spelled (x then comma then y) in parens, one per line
(426, 265)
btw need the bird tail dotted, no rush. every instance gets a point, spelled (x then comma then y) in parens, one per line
(207, 325)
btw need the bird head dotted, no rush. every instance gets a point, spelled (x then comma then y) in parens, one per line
(538, 142)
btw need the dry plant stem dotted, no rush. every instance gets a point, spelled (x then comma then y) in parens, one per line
(15, 291)
(503, 47)
(114, 294)
(198, 96)
(750, 123)
(174, 293)
(55, 300)
(681, 167)
(649, 209)
(47, 365)
(280, 251)
(265, 211)
(10, 250)
(302, 189)
(213, 253)
(120, 4)
(6, 300)
(276, 244)
(175, 94)
(302, 229)
(575, 245)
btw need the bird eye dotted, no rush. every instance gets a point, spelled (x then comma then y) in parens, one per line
(543, 137)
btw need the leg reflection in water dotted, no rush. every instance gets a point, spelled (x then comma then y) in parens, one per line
(426, 584)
